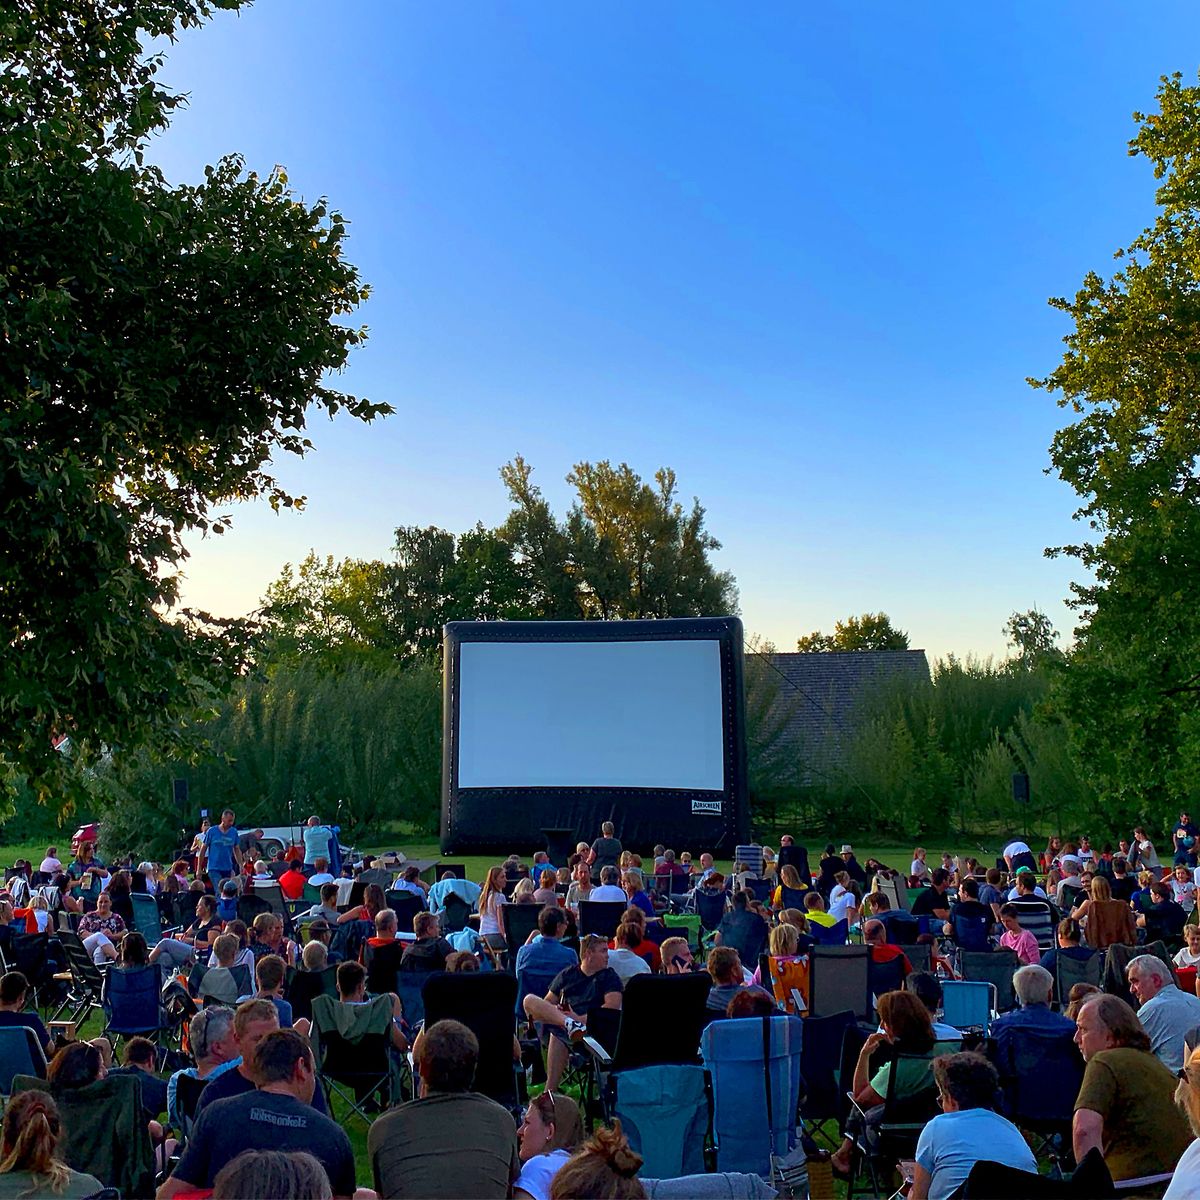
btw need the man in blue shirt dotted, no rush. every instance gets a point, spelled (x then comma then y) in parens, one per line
(219, 853)
(1167, 1014)
(317, 839)
(545, 953)
(1034, 987)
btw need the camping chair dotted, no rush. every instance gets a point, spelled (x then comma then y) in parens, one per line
(755, 1067)
(1040, 917)
(87, 980)
(710, 908)
(250, 905)
(994, 1181)
(146, 919)
(820, 1061)
(456, 913)
(829, 935)
(188, 1090)
(992, 966)
(383, 965)
(684, 925)
(353, 1048)
(518, 921)
(902, 930)
(764, 889)
(410, 988)
(405, 905)
(29, 953)
(664, 1112)
(919, 955)
(895, 889)
(131, 1000)
(1118, 957)
(485, 1003)
(967, 1004)
(885, 976)
(839, 979)
(20, 1054)
(970, 933)
(1029, 1058)
(302, 987)
(600, 916)
(1070, 971)
(104, 1130)
(892, 1135)
(659, 1024)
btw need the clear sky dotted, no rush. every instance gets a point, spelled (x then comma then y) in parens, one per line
(798, 253)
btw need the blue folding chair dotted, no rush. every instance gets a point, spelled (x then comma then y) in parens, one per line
(20, 1054)
(829, 935)
(967, 1004)
(663, 1111)
(754, 1063)
(131, 1002)
(146, 918)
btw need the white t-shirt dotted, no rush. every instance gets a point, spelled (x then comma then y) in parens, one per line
(840, 906)
(536, 1174)
(609, 892)
(489, 922)
(1015, 848)
(1185, 1183)
(1185, 958)
(50, 865)
(919, 868)
(1184, 892)
(627, 964)
(319, 878)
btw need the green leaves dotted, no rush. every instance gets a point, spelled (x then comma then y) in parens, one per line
(871, 631)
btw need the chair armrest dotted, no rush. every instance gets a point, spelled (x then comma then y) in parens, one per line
(798, 1001)
(854, 1104)
(597, 1051)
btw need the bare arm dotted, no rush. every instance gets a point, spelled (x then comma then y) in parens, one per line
(920, 1183)
(612, 999)
(1087, 1131)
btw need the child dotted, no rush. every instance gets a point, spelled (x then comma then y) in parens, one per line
(1184, 888)
(1016, 938)
(1189, 956)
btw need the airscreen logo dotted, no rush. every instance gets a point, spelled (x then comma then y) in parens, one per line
(708, 808)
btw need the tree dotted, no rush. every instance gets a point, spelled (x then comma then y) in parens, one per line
(871, 631)
(1131, 377)
(160, 344)
(1032, 636)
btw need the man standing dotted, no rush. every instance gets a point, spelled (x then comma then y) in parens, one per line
(791, 855)
(605, 851)
(277, 1114)
(1183, 838)
(1166, 1013)
(219, 853)
(1125, 1107)
(317, 839)
(574, 992)
(451, 1141)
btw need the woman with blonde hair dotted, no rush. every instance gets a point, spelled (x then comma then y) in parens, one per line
(491, 901)
(1109, 922)
(789, 881)
(523, 892)
(29, 1161)
(548, 1136)
(605, 1168)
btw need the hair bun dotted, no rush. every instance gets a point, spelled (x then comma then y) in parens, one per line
(614, 1147)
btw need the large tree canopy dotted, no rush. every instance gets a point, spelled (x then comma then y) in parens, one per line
(871, 631)
(1131, 377)
(158, 344)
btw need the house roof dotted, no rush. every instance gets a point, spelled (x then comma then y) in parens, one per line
(823, 693)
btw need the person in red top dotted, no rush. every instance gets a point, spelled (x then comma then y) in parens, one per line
(292, 881)
(385, 929)
(875, 936)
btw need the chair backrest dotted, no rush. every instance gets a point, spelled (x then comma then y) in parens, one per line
(243, 978)
(839, 979)
(1068, 971)
(886, 976)
(20, 1054)
(662, 1017)
(1069, 896)
(970, 932)
(146, 919)
(820, 1060)
(383, 966)
(1033, 1057)
(792, 897)
(311, 894)
(1117, 958)
(531, 983)
(902, 930)
(829, 935)
(684, 924)
(1040, 917)
(456, 913)
(745, 1056)
(131, 996)
(104, 1131)
(405, 905)
(751, 857)
(710, 908)
(363, 1057)
(304, 986)
(518, 921)
(410, 987)
(30, 956)
(188, 1090)
(663, 1111)
(906, 1114)
(85, 975)
(920, 955)
(993, 966)
(600, 916)
(485, 1003)
(966, 1004)
(763, 890)
(250, 905)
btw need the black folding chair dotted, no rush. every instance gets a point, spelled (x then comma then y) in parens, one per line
(1068, 971)
(996, 967)
(920, 955)
(383, 965)
(518, 921)
(820, 1062)
(600, 917)
(1028, 1058)
(839, 979)
(456, 914)
(358, 1070)
(302, 987)
(405, 905)
(187, 1097)
(87, 980)
(885, 976)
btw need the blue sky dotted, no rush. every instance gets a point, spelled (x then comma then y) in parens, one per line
(800, 254)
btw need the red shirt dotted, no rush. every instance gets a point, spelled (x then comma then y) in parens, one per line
(291, 883)
(883, 954)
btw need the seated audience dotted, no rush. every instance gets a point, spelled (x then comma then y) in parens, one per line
(968, 1130)
(326, 909)
(352, 989)
(1077, 996)
(430, 951)
(1163, 917)
(741, 928)
(875, 936)
(752, 1002)
(1109, 922)
(549, 1134)
(140, 1059)
(928, 989)
(1034, 988)
(385, 930)
(581, 886)
(1186, 1183)
(635, 895)
(214, 1048)
(609, 890)
(642, 946)
(417, 1149)
(726, 970)
(1189, 955)
(290, 1174)
(1015, 938)
(677, 957)
(218, 983)
(789, 881)
(30, 1164)
(14, 992)
(622, 958)
(545, 893)
(1165, 1012)
(523, 893)
(1124, 1107)
(1069, 938)
(544, 953)
(275, 1113)
(969, 909)
(932, 901)
(293, 881)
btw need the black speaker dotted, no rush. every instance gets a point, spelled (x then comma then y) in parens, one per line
(179, 788)
(1021, 788)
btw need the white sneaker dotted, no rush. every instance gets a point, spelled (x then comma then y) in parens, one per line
(575, 1029)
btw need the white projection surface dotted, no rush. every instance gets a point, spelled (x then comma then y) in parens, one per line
(591, 714)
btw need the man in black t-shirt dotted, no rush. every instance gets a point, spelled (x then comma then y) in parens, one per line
(574, 992)
(277, 1115)
(931, 901)
(970, 921)
(792, 855)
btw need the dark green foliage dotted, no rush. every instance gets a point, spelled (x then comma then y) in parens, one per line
(871, 631)
(160, 344)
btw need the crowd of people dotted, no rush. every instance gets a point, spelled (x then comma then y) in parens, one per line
(261, 1123)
